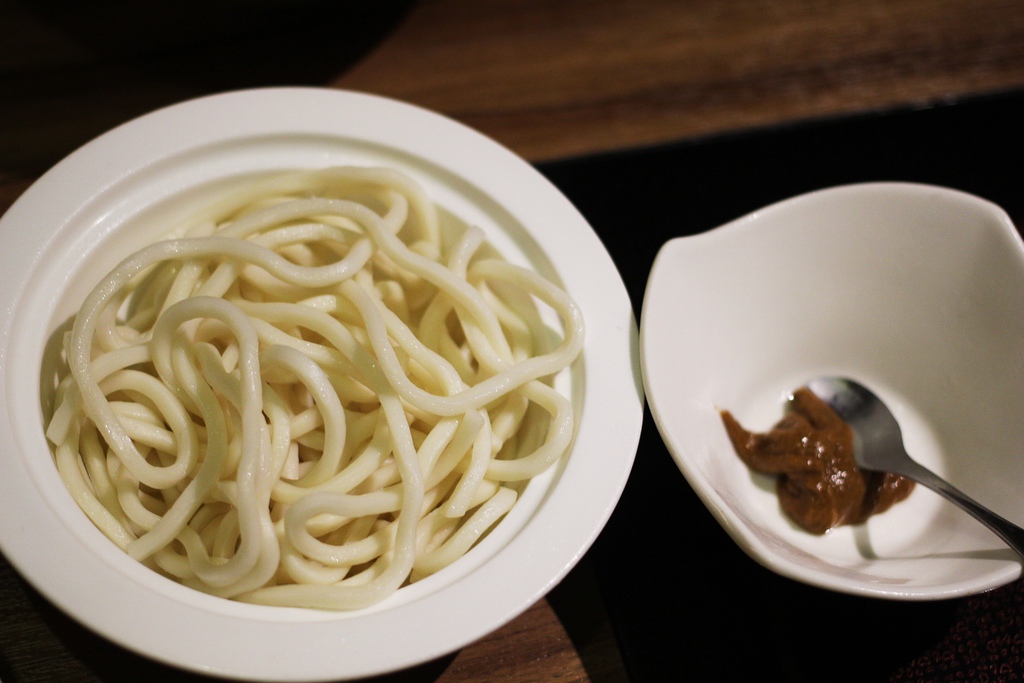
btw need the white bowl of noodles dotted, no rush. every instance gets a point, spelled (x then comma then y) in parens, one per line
(386, 325)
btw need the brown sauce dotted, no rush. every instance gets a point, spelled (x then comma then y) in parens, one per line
(811, 450)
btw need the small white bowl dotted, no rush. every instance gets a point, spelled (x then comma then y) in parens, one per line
(118, 193)
(915, 291)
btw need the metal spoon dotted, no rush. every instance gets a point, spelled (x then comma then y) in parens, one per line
(878, 445)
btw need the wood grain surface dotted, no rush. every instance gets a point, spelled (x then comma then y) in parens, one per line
(549, 79)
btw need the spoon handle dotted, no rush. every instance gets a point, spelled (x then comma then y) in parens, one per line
(1012, 534)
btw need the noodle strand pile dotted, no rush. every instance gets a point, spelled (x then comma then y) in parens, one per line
(313, 393)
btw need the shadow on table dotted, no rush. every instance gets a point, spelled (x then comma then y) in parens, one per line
(74, 70)
(581, 608)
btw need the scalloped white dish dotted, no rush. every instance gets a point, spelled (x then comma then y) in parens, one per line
(916, 291)
(113, 195)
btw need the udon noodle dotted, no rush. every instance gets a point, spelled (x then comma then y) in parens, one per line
(312, 393)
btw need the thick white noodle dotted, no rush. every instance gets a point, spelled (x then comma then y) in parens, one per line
(313, 393)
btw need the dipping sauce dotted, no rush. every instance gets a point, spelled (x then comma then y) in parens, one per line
(811, 450)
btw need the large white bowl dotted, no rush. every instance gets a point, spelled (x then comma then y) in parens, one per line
(118, 193)
(915, 291)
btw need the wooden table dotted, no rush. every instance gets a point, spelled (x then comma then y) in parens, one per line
(548, 79)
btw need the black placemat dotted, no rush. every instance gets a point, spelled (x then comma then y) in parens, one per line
(686, 603)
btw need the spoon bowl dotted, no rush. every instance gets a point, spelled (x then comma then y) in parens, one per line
(878, 446)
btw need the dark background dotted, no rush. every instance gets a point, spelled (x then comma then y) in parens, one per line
(685, 601)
